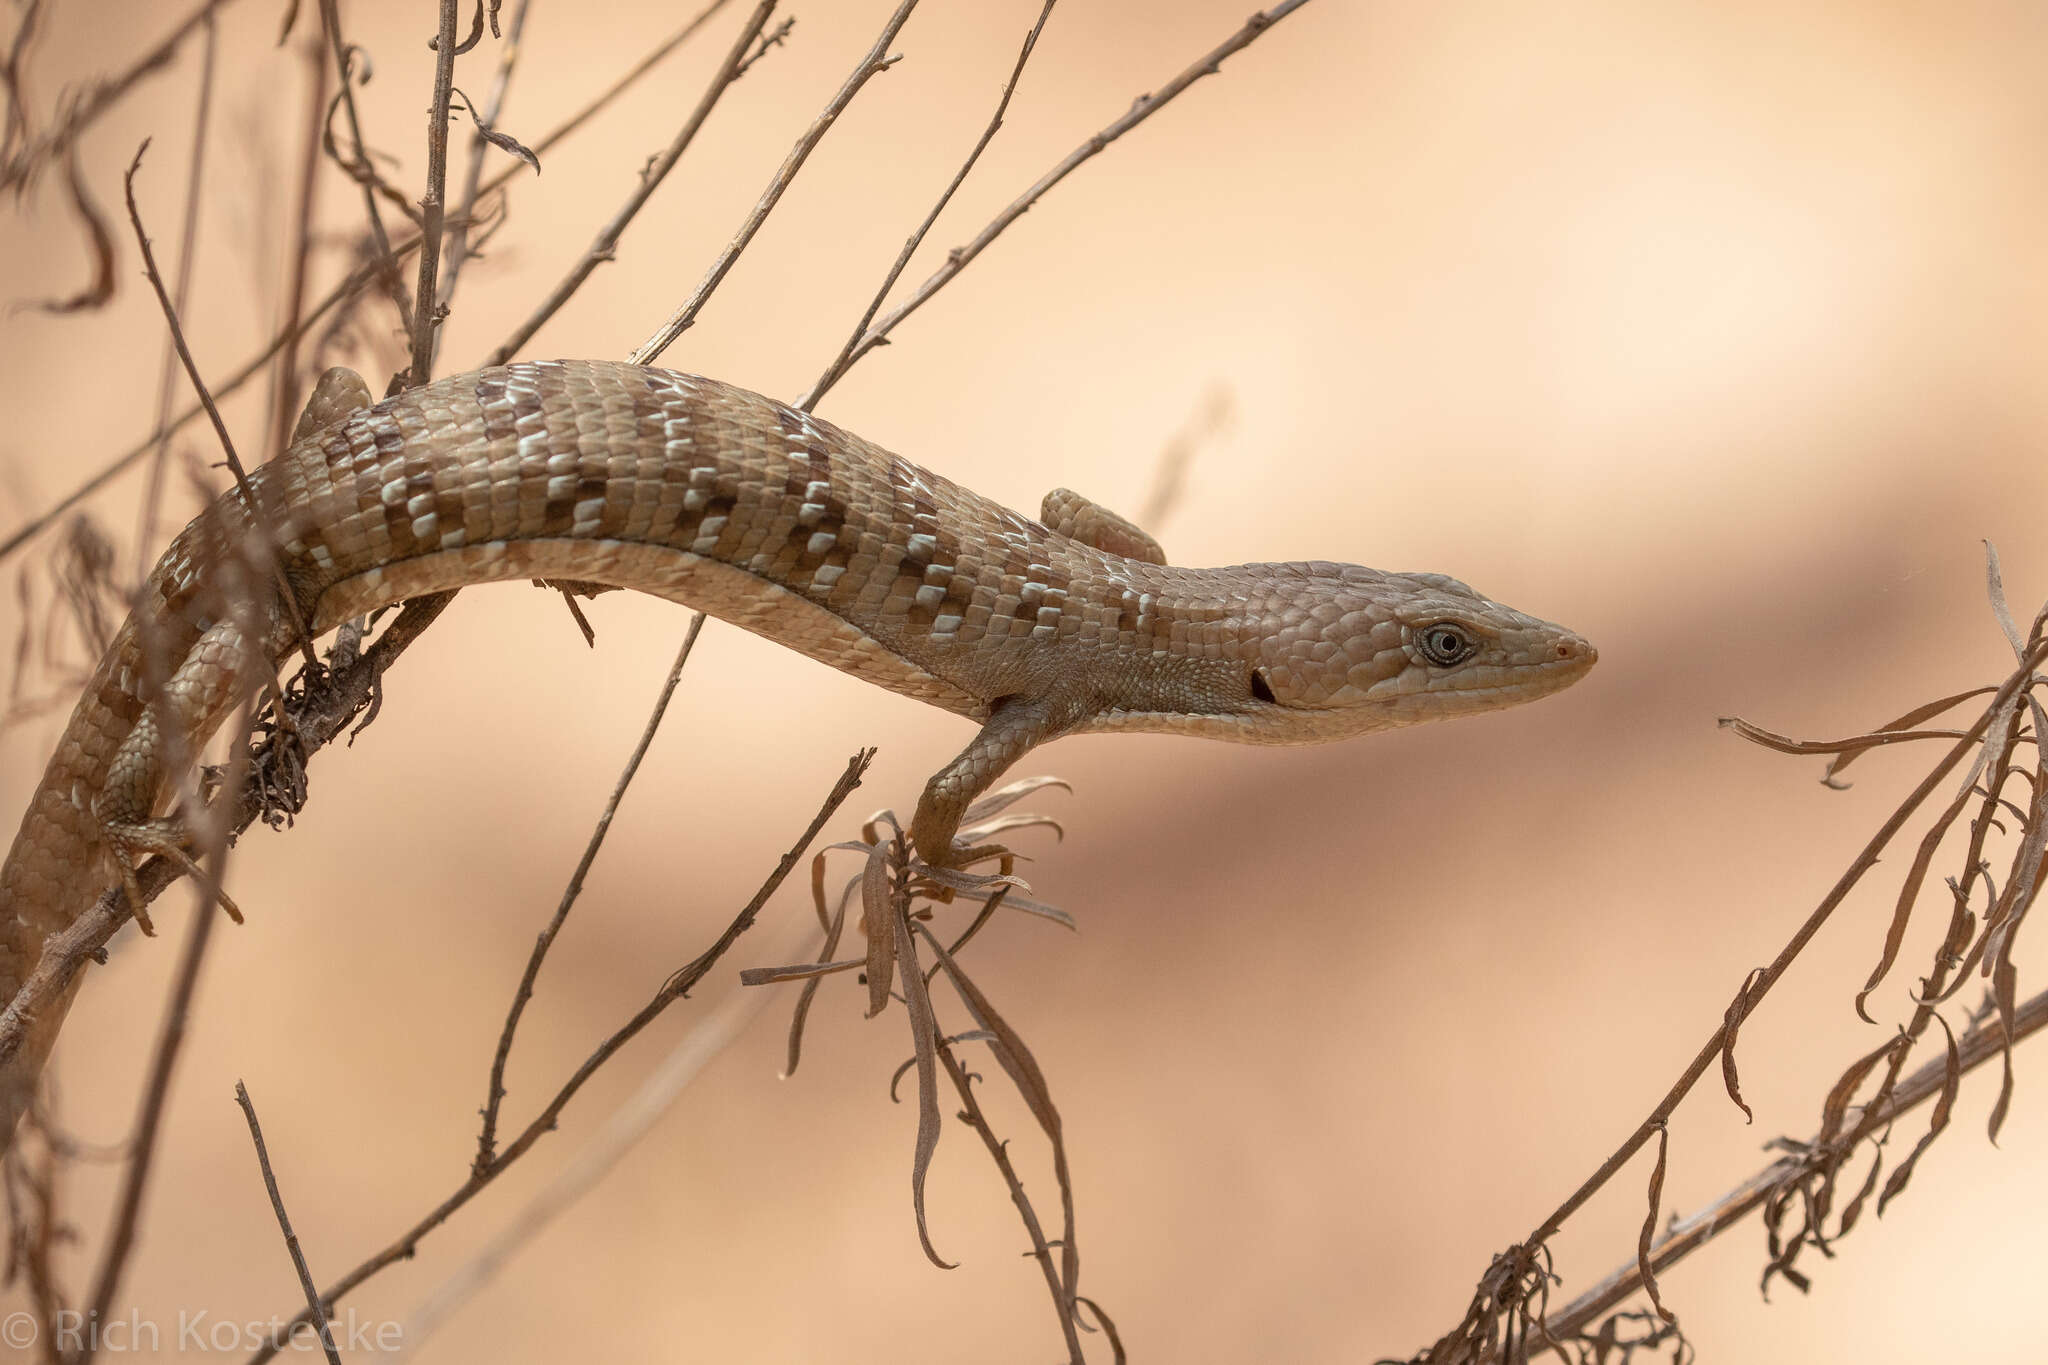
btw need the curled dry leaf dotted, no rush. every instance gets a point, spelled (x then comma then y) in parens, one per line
(1951, 1078)
(99, 239)
(1731, 1024)
(1650, 1228)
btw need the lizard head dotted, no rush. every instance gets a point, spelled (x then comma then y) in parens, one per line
(1347, 650)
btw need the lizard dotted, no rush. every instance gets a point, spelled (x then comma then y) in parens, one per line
(613, 475)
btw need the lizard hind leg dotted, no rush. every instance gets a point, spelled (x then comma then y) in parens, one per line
(1094, 525)
(165, 740)
(336, 394)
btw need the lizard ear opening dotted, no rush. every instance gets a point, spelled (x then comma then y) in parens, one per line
(1261, 689)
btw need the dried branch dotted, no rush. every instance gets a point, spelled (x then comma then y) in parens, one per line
(383, 259)
(1146, 106)
(480, 141)
(845, 357)
(1688, 1234)
(487, 1138)
(340, 294)
(284, 1223)
(426, 317)
(876, 61)
(188, 238)
(675, 988)
(257, 516)
(605, 246)
(17, 172)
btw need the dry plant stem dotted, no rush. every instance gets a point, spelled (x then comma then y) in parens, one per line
(170, 1042)
(102, 98)
(386, 262)
(433, 204)
(316, 720)
(284, 1223)
(624, 1128)
(877, 60)
(349, 287)
(1864, 861)
(472, 178)
(999, 1152)
(1144, 108)
(605, 246)
(188, 236)
(284, 375)
(1063, 1280)
(487, 1139)
(844, 359)
(1687, 1235)
(675, 988)
(220, 428)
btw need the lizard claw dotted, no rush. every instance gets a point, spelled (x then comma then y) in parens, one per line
(166, 838)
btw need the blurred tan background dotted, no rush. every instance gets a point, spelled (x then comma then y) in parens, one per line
(1715, 332)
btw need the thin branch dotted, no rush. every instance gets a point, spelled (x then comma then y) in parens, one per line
(656, 1095)
(1772, 974)
(844, 359)
(426, 316)
(101, 98)
(343, 292)
(157, 1085)
(605, 246)
(257, 518)
(284, 1223)
(675, 988)
(188, 236)
(284, 376)
(487, 1138)
(876, 61)
(384, 259)
(1689, 1234)
(314, 720)
(1146, 106)
(472, 178)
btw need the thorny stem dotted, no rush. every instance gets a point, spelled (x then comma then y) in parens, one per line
(425, 316)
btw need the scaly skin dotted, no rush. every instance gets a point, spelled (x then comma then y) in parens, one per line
(611, 474)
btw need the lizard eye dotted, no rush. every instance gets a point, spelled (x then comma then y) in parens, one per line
(1445, 644)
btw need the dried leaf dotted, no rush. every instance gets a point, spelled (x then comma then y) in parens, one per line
(1951, 1077)
(1008, 795)
(1837, 1103)
(1784, 744)
(101, 288)
(2002, 984)
(504, 142)
(1909, 896)
(878, 922)
(1916, 716)
(1650, 1228)
(1731, 1024)
(924, 1032)
(1994, 583)
(1116, 1344)
(1854, 1209)
(798, 971)
(982, 833)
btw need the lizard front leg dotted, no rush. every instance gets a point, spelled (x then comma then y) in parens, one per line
(1015, 726)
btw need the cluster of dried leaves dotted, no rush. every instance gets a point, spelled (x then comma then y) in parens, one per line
(1816, 1190)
